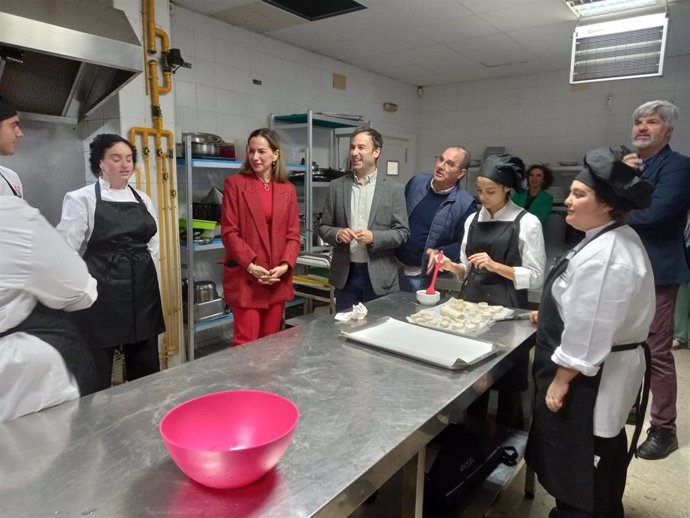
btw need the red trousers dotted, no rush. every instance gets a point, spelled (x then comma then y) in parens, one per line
(251, 324)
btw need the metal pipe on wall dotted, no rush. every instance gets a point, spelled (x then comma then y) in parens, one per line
(165, 176)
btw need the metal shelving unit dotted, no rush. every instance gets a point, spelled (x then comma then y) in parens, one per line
(189, 249)
(303, 126)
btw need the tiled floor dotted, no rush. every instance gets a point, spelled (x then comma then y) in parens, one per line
(655, 489)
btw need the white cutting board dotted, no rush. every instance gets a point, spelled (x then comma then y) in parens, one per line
(442, 349)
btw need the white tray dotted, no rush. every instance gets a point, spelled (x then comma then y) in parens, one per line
(442, 349)
(481, 326)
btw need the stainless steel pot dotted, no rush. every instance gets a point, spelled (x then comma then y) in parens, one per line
(204, 291)
(203, 144)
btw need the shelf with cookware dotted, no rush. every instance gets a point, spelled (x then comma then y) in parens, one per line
(200, 186)
(315, 138)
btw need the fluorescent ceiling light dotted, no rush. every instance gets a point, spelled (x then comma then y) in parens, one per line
(619, 49)
(588, 8)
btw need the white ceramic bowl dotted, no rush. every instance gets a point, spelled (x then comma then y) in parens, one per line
(428, 300)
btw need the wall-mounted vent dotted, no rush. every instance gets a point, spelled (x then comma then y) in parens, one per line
(620, 49)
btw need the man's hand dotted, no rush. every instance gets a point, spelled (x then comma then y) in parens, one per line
(364, 236)
(633, 161)
(345, 235)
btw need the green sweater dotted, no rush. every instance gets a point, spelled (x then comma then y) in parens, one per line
(541, 206)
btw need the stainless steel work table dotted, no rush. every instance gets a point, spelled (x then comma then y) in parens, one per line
(365, 414)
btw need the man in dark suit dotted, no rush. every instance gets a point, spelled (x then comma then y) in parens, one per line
(661, 228)
(365, 220)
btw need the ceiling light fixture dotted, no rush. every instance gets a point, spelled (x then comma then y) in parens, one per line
(619, 49)
(589, 8)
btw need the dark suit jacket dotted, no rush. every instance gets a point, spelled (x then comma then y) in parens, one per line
(246, 238)
(387, 221)
(661, 225)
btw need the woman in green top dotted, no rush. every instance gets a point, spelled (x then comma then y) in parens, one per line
(535, 199)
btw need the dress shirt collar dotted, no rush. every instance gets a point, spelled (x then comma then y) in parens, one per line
(443, 191)
(367, 179)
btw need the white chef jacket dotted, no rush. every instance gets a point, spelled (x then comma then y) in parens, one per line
(606, 297)
(531, 243)
(35, 265)
(13, 178)
(79, 208)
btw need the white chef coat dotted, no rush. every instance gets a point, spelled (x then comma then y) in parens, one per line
(531, 243)
(13, 178)
(35, 265)
(606, 297)
(79, 208)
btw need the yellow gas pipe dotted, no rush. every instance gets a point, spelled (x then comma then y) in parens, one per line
(167, 195)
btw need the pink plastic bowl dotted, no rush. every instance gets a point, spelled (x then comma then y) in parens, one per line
(229, 439)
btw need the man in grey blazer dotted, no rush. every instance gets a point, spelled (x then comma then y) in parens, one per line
(365, 219)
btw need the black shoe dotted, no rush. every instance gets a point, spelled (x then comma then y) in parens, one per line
(660, 443)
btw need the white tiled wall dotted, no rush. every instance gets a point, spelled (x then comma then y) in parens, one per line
(542, 118)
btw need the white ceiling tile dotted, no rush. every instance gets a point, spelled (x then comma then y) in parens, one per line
(492, 51)
(532, 14)
(486, 6)
(550, 41)
(453, 30)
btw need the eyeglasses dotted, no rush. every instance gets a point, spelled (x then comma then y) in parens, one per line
(448, 164)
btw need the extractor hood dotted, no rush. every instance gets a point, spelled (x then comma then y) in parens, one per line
(64, 58)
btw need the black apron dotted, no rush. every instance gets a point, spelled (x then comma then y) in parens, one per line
(560, 448)
(501, 241)
(54, 327)
(128, 308)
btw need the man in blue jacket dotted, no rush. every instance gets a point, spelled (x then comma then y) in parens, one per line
(437, 208)
(661, 229)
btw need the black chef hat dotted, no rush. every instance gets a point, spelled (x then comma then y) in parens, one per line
(615, 182)
(507, 170)
(7, 109)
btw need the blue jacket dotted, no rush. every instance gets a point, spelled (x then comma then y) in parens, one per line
(661, 225)
(448, 226)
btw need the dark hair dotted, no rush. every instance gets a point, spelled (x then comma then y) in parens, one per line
(617, 215)
(279, 170)
(100, 145)
(548, 174)
(376, 137)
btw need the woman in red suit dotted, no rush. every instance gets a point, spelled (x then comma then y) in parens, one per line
(260, 232)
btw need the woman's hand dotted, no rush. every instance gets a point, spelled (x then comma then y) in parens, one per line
(558, 389)
(275, 274)
(534, 317)
(258, 272)
(555, 395)
(482, 260)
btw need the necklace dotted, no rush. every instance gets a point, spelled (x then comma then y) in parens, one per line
(267, 185)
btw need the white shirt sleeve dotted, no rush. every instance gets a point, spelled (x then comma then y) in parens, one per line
(154, 243)
(463, 256)
(76, 222)
(59, 278)
(532, 250)
(596, 298)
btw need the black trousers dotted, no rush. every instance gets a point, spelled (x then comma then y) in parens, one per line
(141, 359)
(609, 481)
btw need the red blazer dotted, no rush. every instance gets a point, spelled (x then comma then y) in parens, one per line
(246, 239)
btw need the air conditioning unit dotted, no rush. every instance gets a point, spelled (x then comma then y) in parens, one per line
(619, 49)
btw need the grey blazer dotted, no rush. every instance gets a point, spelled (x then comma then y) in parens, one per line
(387, 221)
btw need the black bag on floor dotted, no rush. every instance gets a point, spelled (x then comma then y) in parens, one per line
(464, 458)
